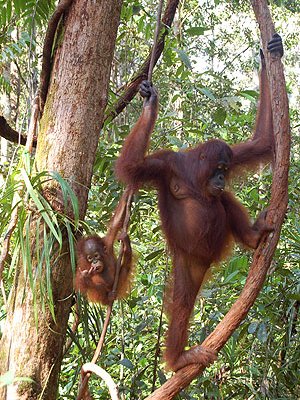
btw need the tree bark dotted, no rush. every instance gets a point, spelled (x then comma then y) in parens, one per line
(67, 143)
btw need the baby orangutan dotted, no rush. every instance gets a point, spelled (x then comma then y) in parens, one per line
(97, 263)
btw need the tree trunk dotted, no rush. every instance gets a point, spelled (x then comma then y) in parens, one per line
(67, 143)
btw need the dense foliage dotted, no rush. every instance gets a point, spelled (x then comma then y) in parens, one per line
(207, 89)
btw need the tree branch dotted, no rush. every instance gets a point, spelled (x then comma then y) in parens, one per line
(279, 196)
(47, 50)
(133, 86)
(8, 133)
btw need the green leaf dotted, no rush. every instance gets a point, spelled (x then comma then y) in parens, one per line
(251, 95)
(48, 249)
(219, 116)
(140, 327)
(127, 363)
(184, 58)
(67, 193)
(207, 93)
(40, 206)
(8, 10)
(294, 296)
(7, 378)
(262, 333)
(252, 327)
(154, 254)
(162, 377)
(136, 9)
(71, 245)
(17, 6)
(230, 277)
(27, 251)
(175, 141)
(196, 30)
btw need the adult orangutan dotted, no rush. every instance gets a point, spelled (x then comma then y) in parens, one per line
(200, 219)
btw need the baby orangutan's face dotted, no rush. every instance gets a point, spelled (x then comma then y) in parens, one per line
(95, 252)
